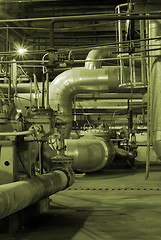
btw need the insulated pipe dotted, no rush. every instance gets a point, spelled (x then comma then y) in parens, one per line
(97, 54)
(155, 82)
(90, 153)
(80, 80)
(18, 195)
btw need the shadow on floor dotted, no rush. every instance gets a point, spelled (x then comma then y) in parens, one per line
(56, 224)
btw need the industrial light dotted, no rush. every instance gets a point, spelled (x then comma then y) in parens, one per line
(22, 51)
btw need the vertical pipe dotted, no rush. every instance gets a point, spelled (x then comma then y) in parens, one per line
(43, 90)
(9, 79)
(51, 34)
(35, 89)
(30, 92)
(120, 48)
(148, 106)
(143, 48)
(47, 89)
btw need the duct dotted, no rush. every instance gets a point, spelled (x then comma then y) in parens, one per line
(90, 153)
(155, 82)
(79, 80)
(18, 195)
(97, 54)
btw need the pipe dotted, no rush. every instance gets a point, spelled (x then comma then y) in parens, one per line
(18, 195)
(122, 154)
(113, 17)
(17, 133)
(80, 80)
(21, 88)
(155, 82)
(135, 16)
(97, 54)
(90, 153)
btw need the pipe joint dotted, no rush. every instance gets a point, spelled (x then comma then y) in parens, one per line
(69, 174)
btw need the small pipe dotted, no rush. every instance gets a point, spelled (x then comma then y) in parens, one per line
(17, 133)
(134, 16)
(97, 17)
(43, 90)
(96, 60)
(123, 154)
(143, 47)
(47, 89)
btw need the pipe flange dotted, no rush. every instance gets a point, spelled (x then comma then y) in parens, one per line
(69, 173)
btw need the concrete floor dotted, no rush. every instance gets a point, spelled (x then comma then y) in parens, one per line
(112, 204)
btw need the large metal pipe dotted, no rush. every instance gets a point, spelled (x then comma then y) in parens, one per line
(155, 82)
(18, 195)
(80, 80)
(97, 54)
(90, 153)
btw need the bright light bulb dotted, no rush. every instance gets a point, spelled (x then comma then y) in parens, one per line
(22, 51)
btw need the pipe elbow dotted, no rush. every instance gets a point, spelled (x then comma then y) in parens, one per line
(90, 153)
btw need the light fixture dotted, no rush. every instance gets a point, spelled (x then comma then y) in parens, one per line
(22, 51)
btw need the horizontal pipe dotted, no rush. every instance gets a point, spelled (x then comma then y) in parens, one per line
(18, 195)
(17, 133)
(113, 17)
(122, 16)
(21, 88)
(92, 96)
(86, 60)
(90, 153)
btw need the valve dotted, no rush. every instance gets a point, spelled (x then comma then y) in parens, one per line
(60, 59)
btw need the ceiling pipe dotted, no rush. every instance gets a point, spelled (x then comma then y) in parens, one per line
(80, 80)
(155, 85)
(107, 17)
(123, 16)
